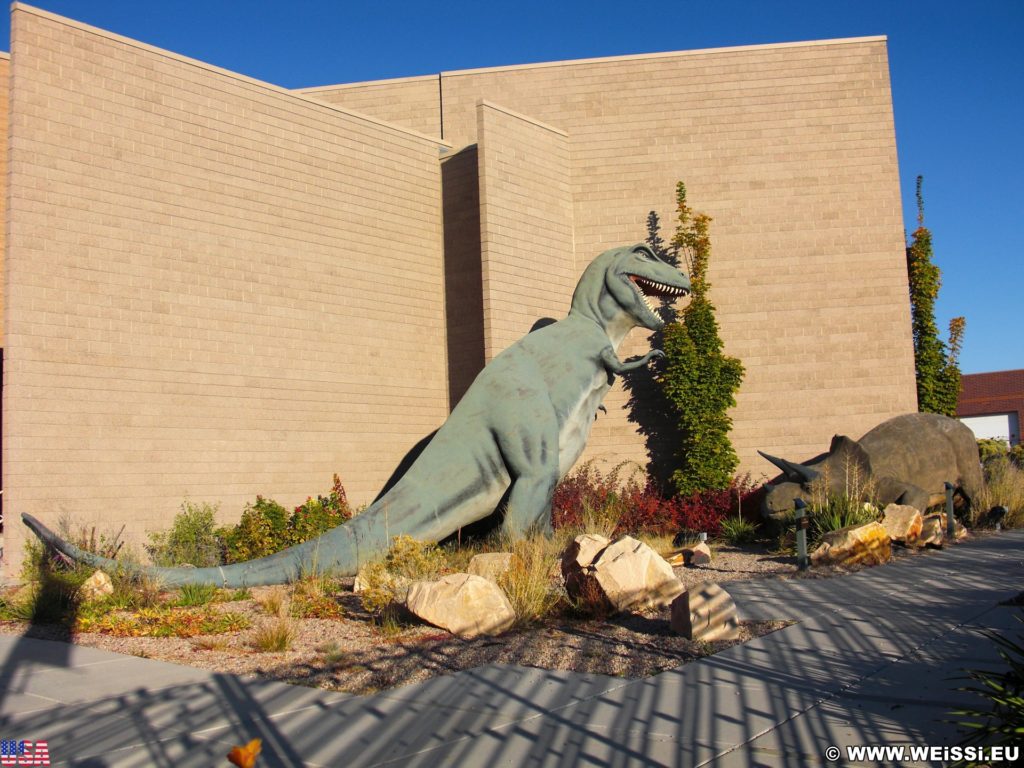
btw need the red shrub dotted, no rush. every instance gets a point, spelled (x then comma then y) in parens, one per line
(644, 509)
(584, 487)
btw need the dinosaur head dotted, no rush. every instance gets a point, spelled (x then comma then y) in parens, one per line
(619, 285)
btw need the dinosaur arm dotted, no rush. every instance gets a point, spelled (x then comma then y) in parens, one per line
(614, 365)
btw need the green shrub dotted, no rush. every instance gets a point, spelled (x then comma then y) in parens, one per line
(266, 527)
(192, 540)
(989, 448)
(261, 531)
(51, 594)
(317, 516)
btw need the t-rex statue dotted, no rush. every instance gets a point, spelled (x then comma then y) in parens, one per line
(523, 423)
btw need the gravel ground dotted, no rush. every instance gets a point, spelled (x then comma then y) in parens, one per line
(355, 655)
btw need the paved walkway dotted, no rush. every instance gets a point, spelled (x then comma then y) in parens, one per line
(869, 662)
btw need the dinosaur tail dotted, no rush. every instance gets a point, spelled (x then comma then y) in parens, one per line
(336, 551)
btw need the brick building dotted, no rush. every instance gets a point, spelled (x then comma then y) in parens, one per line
(992, 404)
(216, 287)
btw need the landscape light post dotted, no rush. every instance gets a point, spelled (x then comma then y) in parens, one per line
(802, 521)
(950, 520)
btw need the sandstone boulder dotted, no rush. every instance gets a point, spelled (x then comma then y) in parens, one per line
(464, 604)
(582, 551)
(868, 544)
(96, 587)
(491, 565)
(705, 611)
(902, 523)
(933, 530)
(698, 554)
(626, 573)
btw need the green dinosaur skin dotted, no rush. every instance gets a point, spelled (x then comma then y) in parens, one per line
(524, 422)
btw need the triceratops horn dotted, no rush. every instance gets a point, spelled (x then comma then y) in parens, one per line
(798, 473)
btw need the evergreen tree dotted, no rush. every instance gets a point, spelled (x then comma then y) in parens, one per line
(936, 364)
(698, 379)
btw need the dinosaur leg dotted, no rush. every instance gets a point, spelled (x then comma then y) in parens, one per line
(531, 454)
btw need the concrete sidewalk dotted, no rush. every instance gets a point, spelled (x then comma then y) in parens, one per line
(869, 662)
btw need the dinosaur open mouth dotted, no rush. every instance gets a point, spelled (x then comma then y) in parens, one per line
(653, 289)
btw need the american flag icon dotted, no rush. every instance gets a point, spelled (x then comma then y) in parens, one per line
(24, 752)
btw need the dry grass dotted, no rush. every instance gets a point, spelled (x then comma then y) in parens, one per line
(1004, 488)
(274, 602)
(274, 636)
(531, 582)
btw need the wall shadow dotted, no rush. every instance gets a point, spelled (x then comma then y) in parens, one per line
(463, 279)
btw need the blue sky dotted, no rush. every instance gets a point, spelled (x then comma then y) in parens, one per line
(957, 78)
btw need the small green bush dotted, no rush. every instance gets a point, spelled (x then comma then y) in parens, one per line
(192, 540)
(261, 531)
(266, 527)
(317, 516)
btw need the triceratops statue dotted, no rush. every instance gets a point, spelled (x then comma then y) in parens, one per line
(905, 460)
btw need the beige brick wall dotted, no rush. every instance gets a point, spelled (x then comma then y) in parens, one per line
(5, 73)
(791, 149)
(216, 288)
(413, 102)
(526, 227)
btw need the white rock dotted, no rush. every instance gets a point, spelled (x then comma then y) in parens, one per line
(464, 604)
(96, 587)
(627, 573)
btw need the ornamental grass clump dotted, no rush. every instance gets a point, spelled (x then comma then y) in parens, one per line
(1004, 487)
(274, 636)
(738, 530)
(531, 582)
(196, 594)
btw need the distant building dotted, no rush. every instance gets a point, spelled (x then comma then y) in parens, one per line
(217, 288)
(992, 404)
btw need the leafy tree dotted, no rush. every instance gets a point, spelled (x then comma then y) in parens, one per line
(935, 362)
